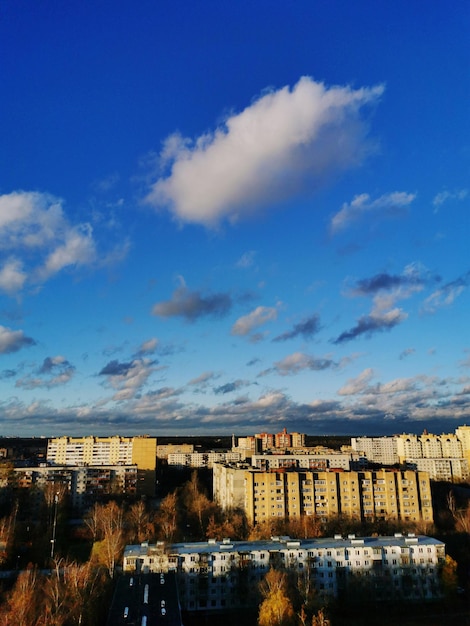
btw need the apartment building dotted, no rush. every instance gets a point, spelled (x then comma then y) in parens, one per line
(444, 456)
(382, 450)
(463, 435)
(221, 575)
(319, 460)
(202, 459)
(367, 494)
(269, 441)
(140, 451)
(164, 450)
(84, 484)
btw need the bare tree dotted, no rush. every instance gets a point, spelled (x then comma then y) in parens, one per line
(22, 602)
(139, 522)
(167, 516)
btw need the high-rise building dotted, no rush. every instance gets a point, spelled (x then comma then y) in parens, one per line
(373, 494)
(97, 451)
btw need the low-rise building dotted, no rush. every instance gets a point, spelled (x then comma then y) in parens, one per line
(224, 575)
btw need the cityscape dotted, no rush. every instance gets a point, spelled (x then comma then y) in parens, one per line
(234, 296)
(183, 530)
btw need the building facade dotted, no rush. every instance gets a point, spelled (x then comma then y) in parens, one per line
(202, 459)
(84, 484)
(445, 457)
(98, 451)
(368, 494)
(223, 575)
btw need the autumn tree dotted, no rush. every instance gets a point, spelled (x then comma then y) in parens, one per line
(110, 526)
(449, 578)
(276, 607)
(139, 522)
(197, 505)
(167, 517)
(21, 606)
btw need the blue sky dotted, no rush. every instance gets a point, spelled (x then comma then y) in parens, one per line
(232, 217)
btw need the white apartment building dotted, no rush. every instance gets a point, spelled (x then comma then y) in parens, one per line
(444, 456)
(381, 450)
(332, 460)
(447, 470)
(217, 575)
(202, 459)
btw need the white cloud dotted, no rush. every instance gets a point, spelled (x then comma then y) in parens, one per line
(259, 316)
(358, 384)
(12, 276)
(13, 340)
(77, 249)
(286, 142)
(362, 205)
(444, 196)
(39, 241)
(148, 347)
(128, 378)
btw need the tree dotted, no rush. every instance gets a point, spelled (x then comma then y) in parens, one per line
(108, 523)
(449, 578)
(22, 602)
(139, 522)
(276, 607)
(167, 516)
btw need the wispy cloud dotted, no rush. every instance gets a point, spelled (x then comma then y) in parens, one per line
(54, 372)
(445, 295)
(13, 340)
(388, 205)
(287, 141)
(407, 352)
(192, 305)
(148, 347)
(247, 260)
(230, 387)
(306, 329)
(202, 382)
(376, 321)
(258, 317)
(297, 362)
(414, 278)
(445, 196)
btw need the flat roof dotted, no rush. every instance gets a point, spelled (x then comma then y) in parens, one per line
(279, 544)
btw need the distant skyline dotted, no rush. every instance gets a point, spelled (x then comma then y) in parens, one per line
(232, 218)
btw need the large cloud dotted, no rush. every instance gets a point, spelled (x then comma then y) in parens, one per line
(287, 141)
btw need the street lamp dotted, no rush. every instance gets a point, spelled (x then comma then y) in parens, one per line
(56, 501)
